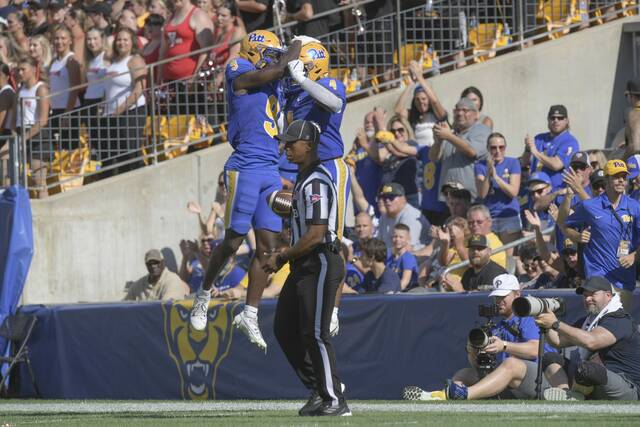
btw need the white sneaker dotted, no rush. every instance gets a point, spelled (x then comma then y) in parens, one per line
(334, 327)
(249, 327)
(561, 394)
(416, 393)
(198, 317)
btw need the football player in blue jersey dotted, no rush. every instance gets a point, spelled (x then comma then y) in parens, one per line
(253, 88)
(314, 96)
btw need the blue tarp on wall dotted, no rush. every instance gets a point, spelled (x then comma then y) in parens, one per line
(16, 250)
(147, 351)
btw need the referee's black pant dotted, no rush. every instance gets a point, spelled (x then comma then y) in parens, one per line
(303, 317)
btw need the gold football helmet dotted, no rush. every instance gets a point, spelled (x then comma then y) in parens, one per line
(261, 47)
(315, 58)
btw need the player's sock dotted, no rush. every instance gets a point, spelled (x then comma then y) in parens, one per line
(251, 311)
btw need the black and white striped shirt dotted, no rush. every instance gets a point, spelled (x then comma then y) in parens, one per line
(314, 203)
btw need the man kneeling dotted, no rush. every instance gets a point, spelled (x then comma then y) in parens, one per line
(515, 346)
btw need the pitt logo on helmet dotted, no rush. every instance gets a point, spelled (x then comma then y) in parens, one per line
(261, 48)
(315, 58)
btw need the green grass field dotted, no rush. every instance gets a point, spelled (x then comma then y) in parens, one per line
(280, 413)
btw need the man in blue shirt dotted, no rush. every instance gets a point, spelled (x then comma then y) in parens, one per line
(614, 219)
(514, 344)
(550, 152)
(633, 165)
(379, 279)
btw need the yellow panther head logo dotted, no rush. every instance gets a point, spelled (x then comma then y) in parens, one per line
(198, 354)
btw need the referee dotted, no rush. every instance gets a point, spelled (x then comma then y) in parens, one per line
(307, 299)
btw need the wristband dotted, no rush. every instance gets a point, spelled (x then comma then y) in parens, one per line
(555, 325)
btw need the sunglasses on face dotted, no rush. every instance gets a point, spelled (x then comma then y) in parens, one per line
(538, 191)
(389, 198)
(598, 186)
(398, 130)
(556, 118)
(579, 167)
(498, 147)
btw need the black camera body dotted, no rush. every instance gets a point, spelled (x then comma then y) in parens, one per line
(480, 337)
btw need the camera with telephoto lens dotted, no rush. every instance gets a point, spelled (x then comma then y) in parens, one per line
(480, 337)
(533, 306)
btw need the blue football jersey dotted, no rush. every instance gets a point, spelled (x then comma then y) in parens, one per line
(252, 121)
(301, 106)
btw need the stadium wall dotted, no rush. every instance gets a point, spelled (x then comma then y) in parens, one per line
(90, 241)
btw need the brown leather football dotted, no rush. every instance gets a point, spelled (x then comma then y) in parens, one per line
(280, 202)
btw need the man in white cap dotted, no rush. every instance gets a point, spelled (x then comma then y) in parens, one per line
(513, 344)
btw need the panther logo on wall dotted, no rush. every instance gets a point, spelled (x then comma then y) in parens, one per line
(198, 354)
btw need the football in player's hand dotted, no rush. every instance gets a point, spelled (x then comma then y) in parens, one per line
(280, 202)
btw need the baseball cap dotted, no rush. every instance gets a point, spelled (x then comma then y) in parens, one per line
(301, 130)
(451, 185)
(101, 8)
(36, 4)
(633, 166)
(504, 284)
(614, 167)
(391, 189)
(596, 176)
(466, 103)
(557, 110)
(633, 86)
(538, 177)
(593, 284)
(153, 255)
(581, 157)
(477, 240)
(55, 5)
(569, 245)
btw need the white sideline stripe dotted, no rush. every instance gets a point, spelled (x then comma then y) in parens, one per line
(82, 407)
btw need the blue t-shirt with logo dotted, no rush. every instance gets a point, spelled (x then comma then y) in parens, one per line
(430, 185)
(499, 203)
(406, 261)
(563, 146)
(353, 277)
(526, 328)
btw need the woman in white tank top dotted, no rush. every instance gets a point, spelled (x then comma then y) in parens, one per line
(7, 122)
(96, 67)
(126, 104)
(32, 116)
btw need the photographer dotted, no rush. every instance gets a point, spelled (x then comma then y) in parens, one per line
(513, 343)
(607, 332)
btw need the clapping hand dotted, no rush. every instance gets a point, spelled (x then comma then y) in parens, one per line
(585, 236)
(572, 179)
(533, 219)
(415, 70)
(529, 144)
(491, 168)
(379, 115)
(553, 211)
(442, 131)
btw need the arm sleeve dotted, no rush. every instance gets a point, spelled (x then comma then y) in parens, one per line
(327, 97)
(409, 261)
(317, 200)
(480, 169)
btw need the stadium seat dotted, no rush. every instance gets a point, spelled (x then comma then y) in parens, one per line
(169, 137)
(485, 39)
(419, 52)
(68, 167)
(623, 8)
(560, 14)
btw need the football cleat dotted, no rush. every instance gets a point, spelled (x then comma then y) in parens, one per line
(312, 405)
(416, 393)
(561, 394)
(249, 326)
(198, 316)
(329, 410)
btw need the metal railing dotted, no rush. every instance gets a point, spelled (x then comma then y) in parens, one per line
(368, 54)
(502, 248)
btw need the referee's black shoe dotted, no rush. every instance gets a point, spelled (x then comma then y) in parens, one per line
(312, 405)
(327, 409)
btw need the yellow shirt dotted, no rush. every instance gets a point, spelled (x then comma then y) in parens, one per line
(494, 242)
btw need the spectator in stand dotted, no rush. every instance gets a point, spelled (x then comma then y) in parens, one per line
(188, 30)
(65, 73)
(530, 272)
(7, 120)
(8, 53)
(482, 269)
(398, 157)
(211, 9)
(126, 107)
(599, 183)
(38, 25)
(379, 279)
(368, 171)
(139, 8)
(153, 33)
(539, 187)
(364, 230)
(551, 152)
(353, 277)
(597, 159)
(159, 284)
(633, 166)
(614, 221)
(474, 94)
(32, 116)
(128, 19)
(432, 208)
(459, 148)
(96, 71)
(40, 50)
(56, 10)
(398, 210)
(498, 184)
(305, 12)
(631, 144)
(426, 109)
(195, 258)
(159, 7)
(256, 14)
(6, 7)
(401, 260)
(480, 222)
(452, 239)
(16, 28)
(100, 14)
(75, 21)
(228, 32)
(458, 199)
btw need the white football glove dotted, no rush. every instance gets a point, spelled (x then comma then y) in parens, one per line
(335, 324)
(296, 70)
(305, 40)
